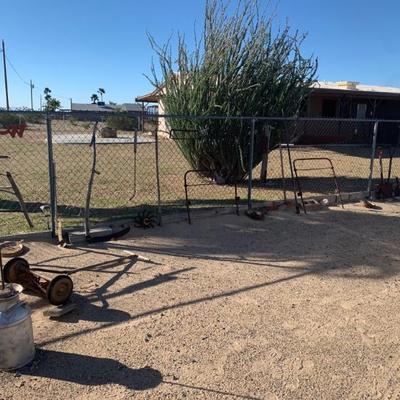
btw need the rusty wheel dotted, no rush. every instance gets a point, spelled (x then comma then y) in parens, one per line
(59, 290)
(15, 269)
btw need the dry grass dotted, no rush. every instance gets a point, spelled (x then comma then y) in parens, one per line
(114, 186)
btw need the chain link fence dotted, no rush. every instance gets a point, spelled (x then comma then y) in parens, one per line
(24, 179)
(169, 163)
(125, 176)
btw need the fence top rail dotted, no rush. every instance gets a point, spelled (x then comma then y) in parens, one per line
(77, 113)
(272, 119)
(196, 117)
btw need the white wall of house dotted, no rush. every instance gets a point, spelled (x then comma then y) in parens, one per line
(163, 126)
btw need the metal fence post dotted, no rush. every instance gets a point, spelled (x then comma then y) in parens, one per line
(282, 172)
(265, 159)
(52, 178)
(371, 164)
(250, 165)
(158, 179)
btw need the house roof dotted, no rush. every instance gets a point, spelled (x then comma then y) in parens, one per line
(355, 88)
(106, 107)
(130, 107)
(320, 86)
(151, 97)
(90, 107)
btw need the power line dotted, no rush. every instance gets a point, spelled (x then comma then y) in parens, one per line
(29, 84)
(16, 72)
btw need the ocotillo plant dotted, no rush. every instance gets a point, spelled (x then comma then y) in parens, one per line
(240, 66)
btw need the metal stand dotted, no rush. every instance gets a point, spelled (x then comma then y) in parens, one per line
(331, 167)
(187, 185)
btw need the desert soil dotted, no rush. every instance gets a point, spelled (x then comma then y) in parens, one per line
(292, 307)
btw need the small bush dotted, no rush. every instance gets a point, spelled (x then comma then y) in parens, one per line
(74, 121)
(14, 119)
(9, 119)
(34, 118)
(122, 122)
(86, 125)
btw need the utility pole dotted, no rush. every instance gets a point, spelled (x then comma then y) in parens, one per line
(5, 75)
(70, 103)
(32, 87)
(41, 106)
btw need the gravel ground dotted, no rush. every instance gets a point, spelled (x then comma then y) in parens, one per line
(292, 307)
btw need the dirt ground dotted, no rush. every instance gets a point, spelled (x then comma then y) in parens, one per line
(292, 307)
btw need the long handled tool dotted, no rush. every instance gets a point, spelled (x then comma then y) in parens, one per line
(91, 180)
(14, 190)
(1, 272)
(385, 188)
(134, 166)
(391, 153)
(380, 155)
(396, 191)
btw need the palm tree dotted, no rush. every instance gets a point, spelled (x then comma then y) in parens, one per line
(101, 91)
(47, 94)
(94, 98)
(51, 103)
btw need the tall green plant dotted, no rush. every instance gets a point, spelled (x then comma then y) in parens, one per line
(52, 104)
(239, 67)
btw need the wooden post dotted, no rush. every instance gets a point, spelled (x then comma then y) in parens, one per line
(18, 195)
(5, 75)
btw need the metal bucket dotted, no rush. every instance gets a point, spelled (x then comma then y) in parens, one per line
(16, 334)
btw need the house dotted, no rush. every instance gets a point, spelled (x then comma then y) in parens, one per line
(345, 100)
(155, 106)
(352, 100)
(349, 99)
(103, 107)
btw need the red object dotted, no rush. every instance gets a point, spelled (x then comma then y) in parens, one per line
(14, 130)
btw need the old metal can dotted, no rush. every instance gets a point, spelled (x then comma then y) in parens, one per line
(16, 334)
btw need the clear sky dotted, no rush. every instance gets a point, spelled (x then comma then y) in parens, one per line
(76, 46)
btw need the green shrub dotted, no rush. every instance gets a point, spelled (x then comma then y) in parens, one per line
(15, 119)
(34, 118)
(122, 122)
(9, 119)
(74, 121)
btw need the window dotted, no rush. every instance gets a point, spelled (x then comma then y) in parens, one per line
(329, 108)
(361, 111)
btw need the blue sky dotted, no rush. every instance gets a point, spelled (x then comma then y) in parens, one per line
(75, 46)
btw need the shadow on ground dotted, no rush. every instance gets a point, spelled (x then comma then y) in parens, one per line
(87, 370)
(342, 244)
